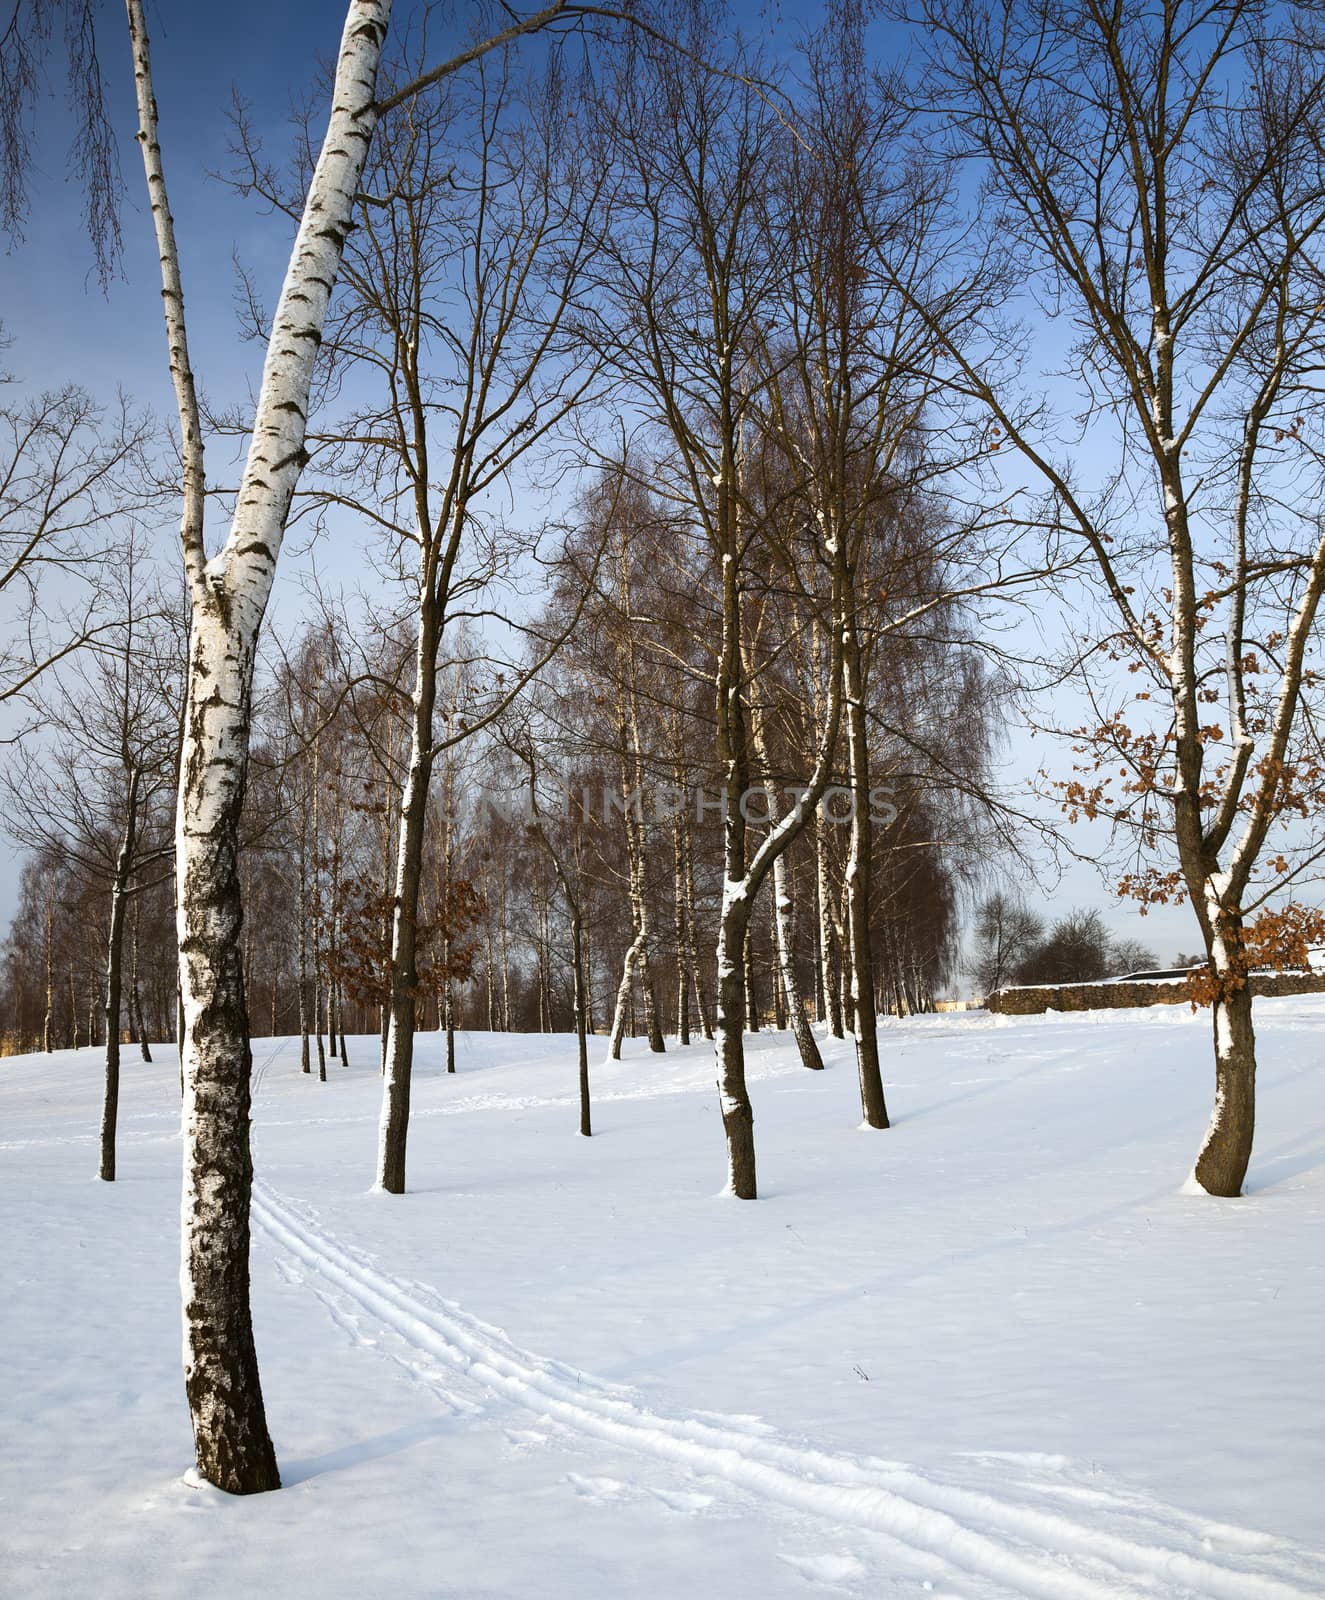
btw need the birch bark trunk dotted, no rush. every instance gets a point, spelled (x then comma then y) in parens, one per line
(742, 878)
(505, 959)
(783, 911)
(229, 594)
(864, 1003)
(829, 975)
(50, 970)
(638, 955)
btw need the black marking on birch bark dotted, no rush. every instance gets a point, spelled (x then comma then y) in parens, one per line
(256, 547)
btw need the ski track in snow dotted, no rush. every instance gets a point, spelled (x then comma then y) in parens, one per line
(1028, 1551)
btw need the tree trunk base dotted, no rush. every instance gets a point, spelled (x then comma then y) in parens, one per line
(739, 1124)
(1222, 1164)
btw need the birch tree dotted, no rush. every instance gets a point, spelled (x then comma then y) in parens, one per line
(771, 772)
(690, 281)
(625, 511)
(229, 593)
(851, 383)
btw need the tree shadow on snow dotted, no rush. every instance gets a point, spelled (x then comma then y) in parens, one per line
(1303, 1153)
(361, 1450)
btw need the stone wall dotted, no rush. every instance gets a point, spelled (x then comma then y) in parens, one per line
(1125, 992)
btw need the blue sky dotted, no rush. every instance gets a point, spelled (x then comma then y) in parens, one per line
(66, 330)
(48, 291)
(63, 328)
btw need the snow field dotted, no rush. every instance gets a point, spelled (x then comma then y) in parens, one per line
(987, 1354)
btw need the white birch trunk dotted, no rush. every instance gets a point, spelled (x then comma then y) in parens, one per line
(229, 595)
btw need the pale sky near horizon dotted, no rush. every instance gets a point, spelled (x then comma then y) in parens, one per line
(65, 330)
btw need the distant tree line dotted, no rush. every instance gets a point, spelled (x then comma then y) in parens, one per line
(1012, 945)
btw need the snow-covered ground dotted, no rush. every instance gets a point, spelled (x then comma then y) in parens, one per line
(994, 1352)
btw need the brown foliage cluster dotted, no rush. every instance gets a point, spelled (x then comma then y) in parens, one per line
(1279, 940)
(361, 961)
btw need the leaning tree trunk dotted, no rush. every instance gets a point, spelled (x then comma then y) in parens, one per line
(640, 951)
(784, 911)
(110, 1107)
(784, 924)
(638, 954)
(621, 1015)
(229, 594)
